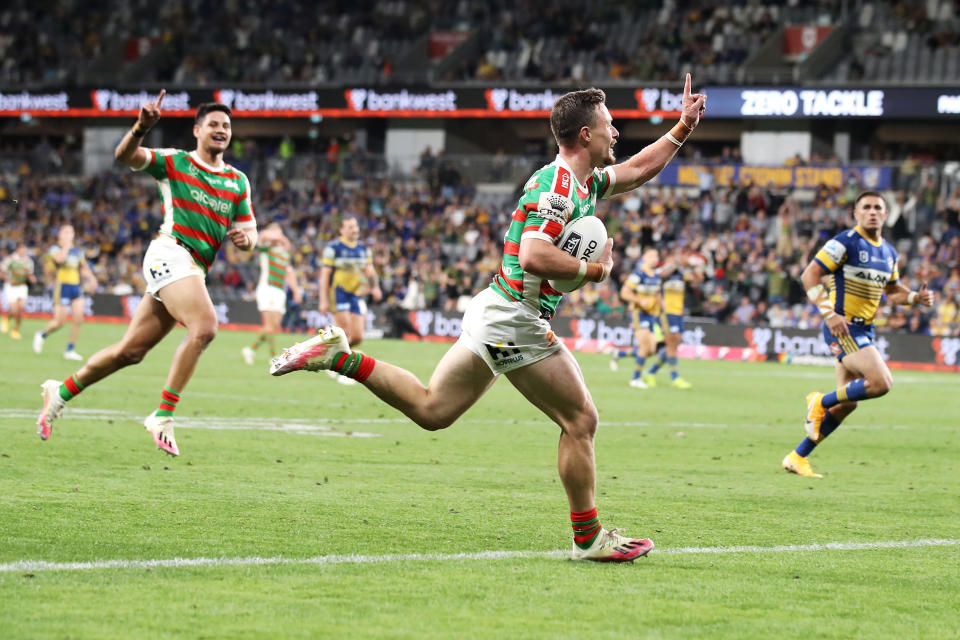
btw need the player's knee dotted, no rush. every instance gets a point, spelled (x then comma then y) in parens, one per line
(584, 423)
(881, 385)
(205, 333)
(434, 423)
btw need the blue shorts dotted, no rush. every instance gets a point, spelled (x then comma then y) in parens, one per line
(861, 335)
(66, 293)
(644, 321)
(346, 301)
(672, 323)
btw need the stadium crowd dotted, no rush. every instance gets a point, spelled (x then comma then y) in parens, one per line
(300, 43)
(436, 239)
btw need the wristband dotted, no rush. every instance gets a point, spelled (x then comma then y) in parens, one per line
(595, 272)
(137, 132)
(582, 271)
(912, 298)
(818, 296)
(680, 132)
(670, 137)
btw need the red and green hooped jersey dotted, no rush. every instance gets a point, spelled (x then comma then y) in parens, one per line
(274, 262)
(551, 197)
(200, 203)
(17, 271)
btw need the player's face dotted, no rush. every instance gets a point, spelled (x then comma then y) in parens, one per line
(213, 132)
(350, 230)
(870, 213)
(66, 234)
(603, 137)
(650, 258)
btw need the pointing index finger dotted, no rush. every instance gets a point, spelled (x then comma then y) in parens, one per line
(686, 87)
(162, 93)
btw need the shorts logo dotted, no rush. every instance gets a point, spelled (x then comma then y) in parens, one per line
(502, 355)
(159, 271)
(572, 245)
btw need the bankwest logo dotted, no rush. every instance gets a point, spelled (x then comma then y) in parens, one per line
(110, 100)
(770, 342)
(267, 100)
(511, 100)
(658, 100)
(26, 101)
(370, 100)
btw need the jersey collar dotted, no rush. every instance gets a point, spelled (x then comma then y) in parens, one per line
(348, 243)
(863, 235)
(582, 191)
(196, 158)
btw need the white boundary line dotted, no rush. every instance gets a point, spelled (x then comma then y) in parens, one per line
(174, 563)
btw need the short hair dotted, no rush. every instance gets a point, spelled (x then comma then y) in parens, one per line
(208, 107)
(572, 111)
(868, 194)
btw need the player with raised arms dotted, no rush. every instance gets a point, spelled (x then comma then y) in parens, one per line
(506, 327)
(862, 267)
(204, 201)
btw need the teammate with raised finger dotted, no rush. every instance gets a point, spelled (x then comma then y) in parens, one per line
(204, 201)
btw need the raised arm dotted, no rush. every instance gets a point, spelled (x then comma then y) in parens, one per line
(129, 151)
(651, 160)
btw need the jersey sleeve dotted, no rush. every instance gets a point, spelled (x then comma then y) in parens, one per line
(244, 218)
(632, 281)
(329, 254)
(832, 255)
(605, 179)
(156, 164)
(895, 274)
(548, 205)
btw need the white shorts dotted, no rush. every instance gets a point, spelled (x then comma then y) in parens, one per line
(506, 335)
(164, 262)
(14, 292)
(271, 298)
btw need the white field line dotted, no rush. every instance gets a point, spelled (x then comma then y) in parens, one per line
(41, 565)
(344, 426)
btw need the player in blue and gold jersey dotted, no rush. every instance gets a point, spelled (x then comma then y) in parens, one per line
(70, 265)
(346, 275)
(861, 267)
(641, 291)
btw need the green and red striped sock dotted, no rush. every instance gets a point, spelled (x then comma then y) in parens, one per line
(586, 527)
(70, 387)
(356, 365)
(168, 402)
(261, 337)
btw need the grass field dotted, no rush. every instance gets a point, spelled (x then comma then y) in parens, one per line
(304, 508)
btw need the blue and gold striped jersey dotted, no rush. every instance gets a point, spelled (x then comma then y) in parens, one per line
(348, 262)
(861, 271)
(674, 289)
(647, 287)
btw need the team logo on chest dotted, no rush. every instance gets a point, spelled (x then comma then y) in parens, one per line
(864, 257)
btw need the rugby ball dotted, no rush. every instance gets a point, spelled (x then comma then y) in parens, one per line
(583, 238)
